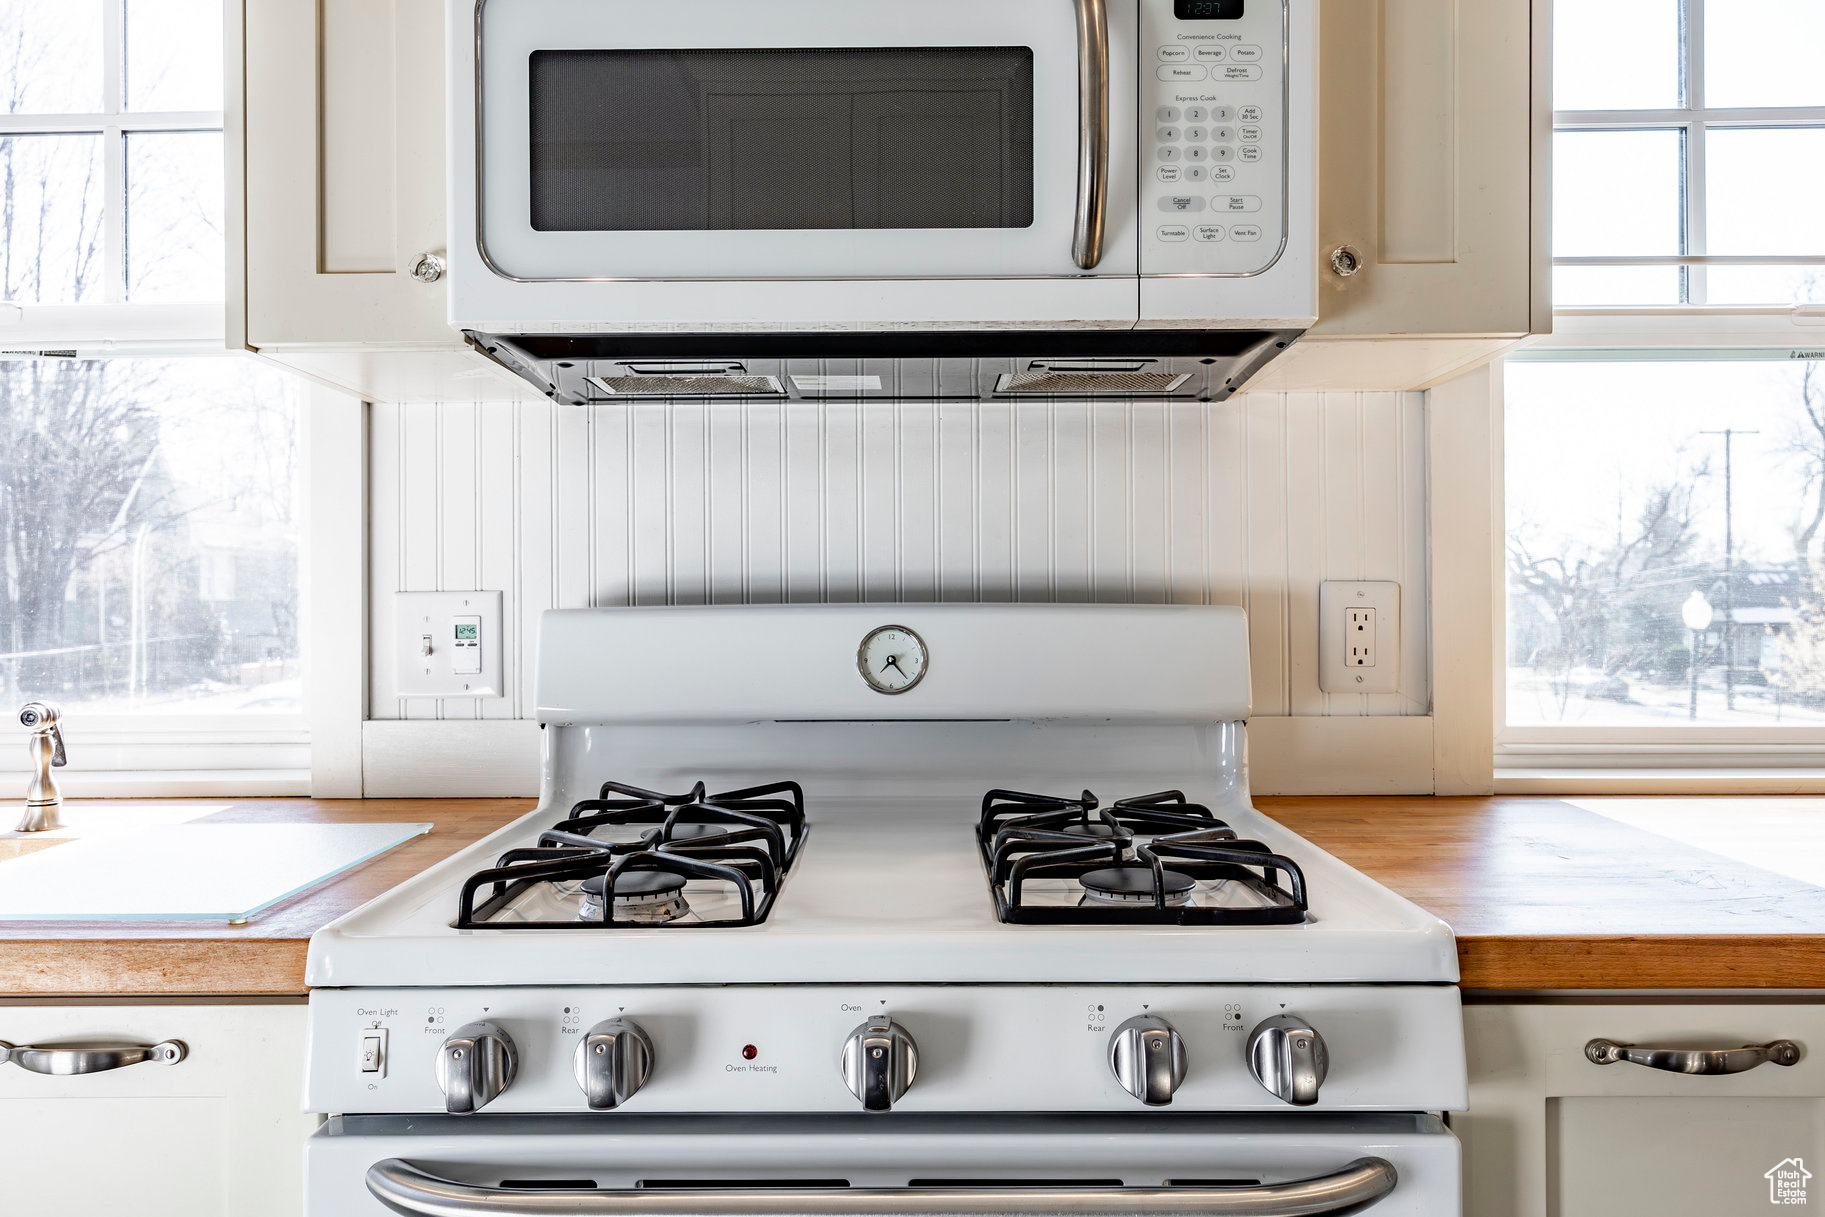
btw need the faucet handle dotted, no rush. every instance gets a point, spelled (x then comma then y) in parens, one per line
(45, 717)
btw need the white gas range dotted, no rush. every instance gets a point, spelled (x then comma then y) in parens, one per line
(887, 909)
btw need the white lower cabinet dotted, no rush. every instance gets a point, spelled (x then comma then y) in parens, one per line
(218, 1134)
(1551, 1132)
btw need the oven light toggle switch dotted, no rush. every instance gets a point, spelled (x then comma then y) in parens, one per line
(374, 1051)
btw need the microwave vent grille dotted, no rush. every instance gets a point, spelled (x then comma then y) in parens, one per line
(1081, 382)
(719, 384)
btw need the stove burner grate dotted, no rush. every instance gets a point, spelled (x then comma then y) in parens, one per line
(740, 841)
(1115, 859)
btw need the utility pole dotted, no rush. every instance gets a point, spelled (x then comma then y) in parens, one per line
(1729, 434)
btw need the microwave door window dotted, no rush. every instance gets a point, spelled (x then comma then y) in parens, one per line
(799, 139)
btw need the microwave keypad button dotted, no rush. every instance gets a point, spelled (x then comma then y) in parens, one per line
(1223, 135)
(1167, 153)
(1173, 232)
(1196, 114)
(1208, 233)
(1197, 152)
(1245, 232)
(1167, 135)
(1237, 202)
(1220, 114)
(1212, 54)
(1222, 173)
(1167, 114)
(1196, 135)
(1174, 54)
(1170, 173)
(1182, 202)
(1246, 54)
(1251, 135)
(1230, 71)
(1251, 114)
(1194, 173)
(1249, 152)
(1223, 152)
(1186, 71)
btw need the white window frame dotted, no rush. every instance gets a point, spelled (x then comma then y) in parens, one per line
(315, 752)
(1565, 759)
(26, 325)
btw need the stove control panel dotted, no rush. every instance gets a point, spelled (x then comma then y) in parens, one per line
(942, 1048)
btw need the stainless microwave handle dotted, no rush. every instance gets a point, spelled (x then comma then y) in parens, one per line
(1092, 131)
(405, 1189)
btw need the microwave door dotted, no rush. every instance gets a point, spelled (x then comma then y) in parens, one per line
(799, 140)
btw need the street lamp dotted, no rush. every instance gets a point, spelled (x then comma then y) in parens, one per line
(1696, 613)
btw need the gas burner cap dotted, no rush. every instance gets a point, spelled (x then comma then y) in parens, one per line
(696, 832)
(643, 897)
(1131, 885)
(1093, 828)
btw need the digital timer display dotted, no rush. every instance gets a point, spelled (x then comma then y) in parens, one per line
(468, 633)
(1207, 10)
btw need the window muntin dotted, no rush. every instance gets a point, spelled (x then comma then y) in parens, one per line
(1609, 537)
(1748, 106)
(111, 137)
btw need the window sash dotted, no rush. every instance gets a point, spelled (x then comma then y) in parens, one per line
(1694, 120)
(40, 326)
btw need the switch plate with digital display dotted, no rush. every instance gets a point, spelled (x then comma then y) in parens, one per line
(448, 644)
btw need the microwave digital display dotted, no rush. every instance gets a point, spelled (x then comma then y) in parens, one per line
(1207, 10)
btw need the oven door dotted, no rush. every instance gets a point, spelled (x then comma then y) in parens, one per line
(894, 1166)
(800, 140)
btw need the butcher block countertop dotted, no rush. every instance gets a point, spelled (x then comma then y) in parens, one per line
(1544, 893)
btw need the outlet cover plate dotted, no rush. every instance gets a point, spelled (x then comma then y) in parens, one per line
(417, 614)
(1335, 600)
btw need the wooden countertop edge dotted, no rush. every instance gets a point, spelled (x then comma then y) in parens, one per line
(1488, 963)
(1642, 961)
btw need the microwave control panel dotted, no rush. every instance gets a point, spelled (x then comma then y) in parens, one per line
(1213, 136)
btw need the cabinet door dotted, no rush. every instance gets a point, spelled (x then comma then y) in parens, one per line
(343, 110)
(219, 1134)
(1548, 1131)
(1434, 129)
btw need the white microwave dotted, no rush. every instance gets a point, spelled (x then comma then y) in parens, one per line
(909, 167)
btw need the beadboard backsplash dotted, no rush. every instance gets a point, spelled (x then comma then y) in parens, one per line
(1250, 502)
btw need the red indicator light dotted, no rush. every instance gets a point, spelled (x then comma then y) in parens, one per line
(749, 1052)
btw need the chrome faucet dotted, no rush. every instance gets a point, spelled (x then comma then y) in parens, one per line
(42, 798)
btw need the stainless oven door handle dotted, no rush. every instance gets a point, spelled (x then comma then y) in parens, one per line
(1092, 131)
(405, 1189)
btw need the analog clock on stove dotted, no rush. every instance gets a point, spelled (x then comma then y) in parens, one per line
(892, 659)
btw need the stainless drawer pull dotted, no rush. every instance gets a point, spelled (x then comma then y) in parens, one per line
(63, 1060)
(1695, 1060)
(405, 1189)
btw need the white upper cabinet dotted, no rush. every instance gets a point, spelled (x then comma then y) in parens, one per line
(1435, 124)
(1435, 128)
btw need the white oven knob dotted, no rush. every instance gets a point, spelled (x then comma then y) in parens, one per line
(1148, 1058)
(879, 1062)
(1288, 1057)
(612, 1062)
(475, 1064)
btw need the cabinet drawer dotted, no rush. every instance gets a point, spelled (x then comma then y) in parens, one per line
(1549, 1130)
(217, 1133)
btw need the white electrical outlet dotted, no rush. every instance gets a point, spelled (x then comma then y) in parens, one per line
(447, 644)
(1359, 637)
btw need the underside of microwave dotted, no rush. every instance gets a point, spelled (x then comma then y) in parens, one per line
(589, 369)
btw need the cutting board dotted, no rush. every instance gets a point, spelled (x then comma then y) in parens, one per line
(187, 872)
